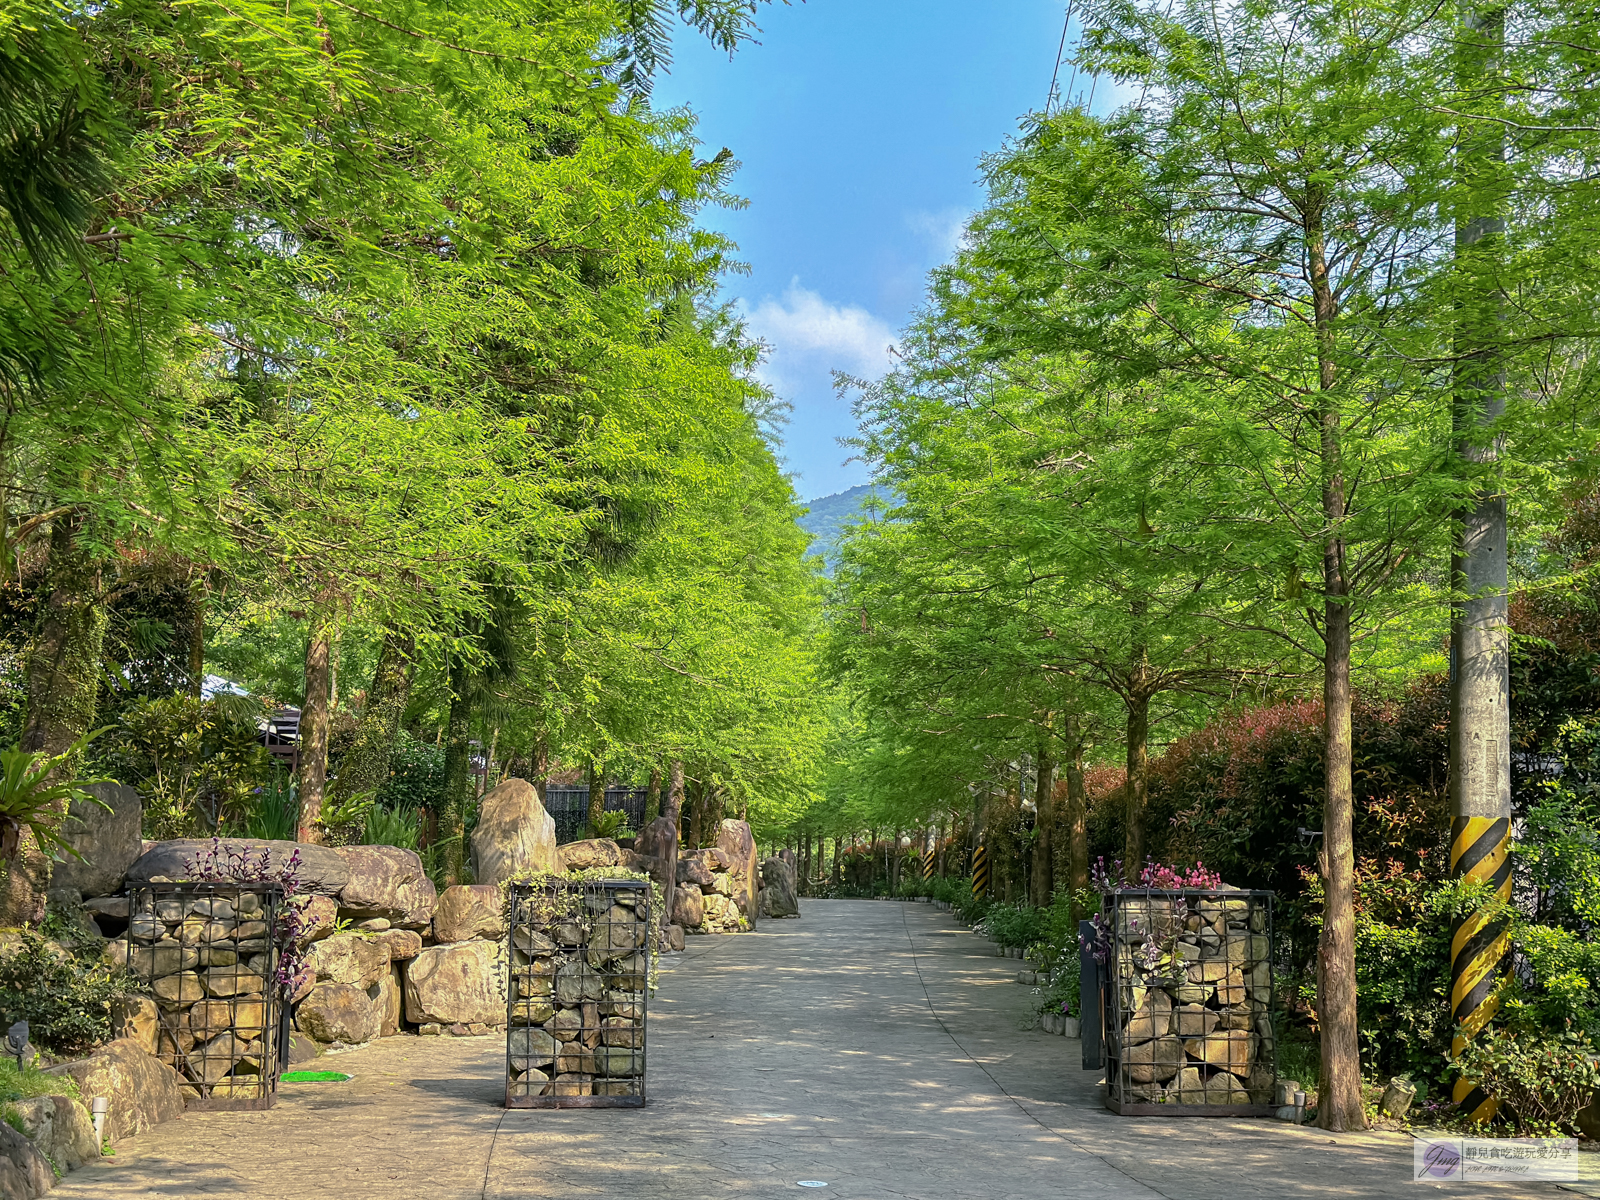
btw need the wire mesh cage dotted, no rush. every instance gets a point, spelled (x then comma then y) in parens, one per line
(579, 993)
(208, 954)
(1188, 1002)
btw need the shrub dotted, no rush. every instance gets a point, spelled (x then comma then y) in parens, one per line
(197, 763)
(611, 825)
(65, 1000)
(968, 907)
(416, 775)
(1017, 925)
(1546, 1078)
(392, 827)
(274, 810)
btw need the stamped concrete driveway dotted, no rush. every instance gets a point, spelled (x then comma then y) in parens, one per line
(876, 1047)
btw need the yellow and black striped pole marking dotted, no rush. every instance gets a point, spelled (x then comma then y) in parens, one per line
(980, 872)
(1480, 850)
(927, 863)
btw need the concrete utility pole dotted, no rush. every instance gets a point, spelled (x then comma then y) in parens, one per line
(1480, 668)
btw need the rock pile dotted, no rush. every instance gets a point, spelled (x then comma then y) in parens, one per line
(1194, 981)
(718, 888)
(579, 974)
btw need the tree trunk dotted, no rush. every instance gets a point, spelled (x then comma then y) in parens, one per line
(63, 682)
(674, 815)
(697, 816)
(597, 797)
(1077, 820)
(1339, 1094)
(197, 640)
(652, 798)
(457, 773)
(539, 765)
(1136, 792)
(1044, 815)
(314, 723)
(365, 766)
(1339, 1099)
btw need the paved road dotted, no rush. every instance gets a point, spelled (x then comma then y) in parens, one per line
(875, 1046)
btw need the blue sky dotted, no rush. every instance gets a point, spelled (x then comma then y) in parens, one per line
(859, 125)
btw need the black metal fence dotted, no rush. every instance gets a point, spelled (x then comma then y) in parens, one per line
(579, 956)
(1187, 1003)
(568, 804)
(208, 954)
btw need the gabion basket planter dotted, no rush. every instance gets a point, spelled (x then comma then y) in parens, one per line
(578, 998)
(1188, 1003)
(208, 954)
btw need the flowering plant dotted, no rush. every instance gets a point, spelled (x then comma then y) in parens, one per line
(1153, 875)
(246, 865)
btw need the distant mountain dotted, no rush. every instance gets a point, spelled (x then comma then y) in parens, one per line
(830, 514)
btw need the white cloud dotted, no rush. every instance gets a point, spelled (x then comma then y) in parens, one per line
(943, 230)
(808, 334)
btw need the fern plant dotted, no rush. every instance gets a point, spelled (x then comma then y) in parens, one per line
(391, 827)
(611, 825)
(31, 799)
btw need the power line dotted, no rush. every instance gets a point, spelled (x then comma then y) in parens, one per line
(1060, 49)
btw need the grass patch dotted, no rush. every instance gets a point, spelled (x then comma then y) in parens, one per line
(314, 1077)
(24, 1085)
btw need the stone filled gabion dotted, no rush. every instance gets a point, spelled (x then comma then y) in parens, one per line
(208, 955)
(579, 977)
(1189, 1005)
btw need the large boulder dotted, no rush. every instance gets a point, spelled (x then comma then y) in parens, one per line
(350, 959)
(778, 895)
(469, 910)
(338, 1012)
(24, 1170)
(388, 882)
(657, 839)
(142, 1089)
(736, 841)
(514, 834)
(688, 906)
(320, 869)
(60, 1127)
(108, 840)
(138, 1019)
(693, 869)
(401, 943)
(316, 917)
(594, 852)
(459, 983)
(391, 1001)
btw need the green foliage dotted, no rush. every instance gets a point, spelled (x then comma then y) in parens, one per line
(1546, 1076)
(35, 790)
(611, 825)
(1557, 856)
(196, 763)
(274, 811)
(391, 827)
(416, 775)
(65, 1000)
(1014, 926)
